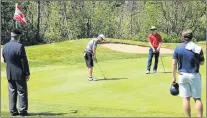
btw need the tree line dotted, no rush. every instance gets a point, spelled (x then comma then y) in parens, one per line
(55, 21)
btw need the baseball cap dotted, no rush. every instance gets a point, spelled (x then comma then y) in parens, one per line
(102, 36)
(174, 89)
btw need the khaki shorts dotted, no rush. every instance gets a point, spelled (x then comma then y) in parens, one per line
(190, 85)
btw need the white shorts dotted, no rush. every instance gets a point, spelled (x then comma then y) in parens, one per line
(190, 85)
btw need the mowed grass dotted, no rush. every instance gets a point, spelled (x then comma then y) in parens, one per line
(59, 84)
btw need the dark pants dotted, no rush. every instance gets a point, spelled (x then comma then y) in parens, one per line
(89, 59)
(150, 56)
(18, 87)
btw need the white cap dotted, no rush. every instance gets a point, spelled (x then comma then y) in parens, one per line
(153, 28)
(102, 36)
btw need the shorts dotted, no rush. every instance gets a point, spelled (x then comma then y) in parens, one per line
(88, 59)
(190, 85)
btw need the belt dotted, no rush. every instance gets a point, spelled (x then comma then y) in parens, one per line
(154, 47)
(181, 73)
(90, 51)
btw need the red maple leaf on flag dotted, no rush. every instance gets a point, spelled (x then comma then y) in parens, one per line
(18, 15)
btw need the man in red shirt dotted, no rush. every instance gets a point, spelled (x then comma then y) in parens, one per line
(155, 42)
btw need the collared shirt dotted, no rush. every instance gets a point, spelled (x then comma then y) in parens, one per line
(155, 39)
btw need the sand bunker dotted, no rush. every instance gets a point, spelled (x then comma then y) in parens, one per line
(134, 48)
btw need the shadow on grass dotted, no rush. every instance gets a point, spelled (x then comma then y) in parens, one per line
(47, 114)
(159, 72)
(111, 79)
(166, 72)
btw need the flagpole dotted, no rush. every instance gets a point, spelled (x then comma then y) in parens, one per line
(15, 11)
(16, 24)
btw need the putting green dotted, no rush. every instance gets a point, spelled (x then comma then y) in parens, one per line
(62, 89)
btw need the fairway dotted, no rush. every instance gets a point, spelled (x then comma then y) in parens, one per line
(59, 84)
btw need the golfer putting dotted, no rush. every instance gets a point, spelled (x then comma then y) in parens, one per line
(155, 42)
(90, 55)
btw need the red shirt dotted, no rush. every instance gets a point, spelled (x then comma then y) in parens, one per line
(155, 39)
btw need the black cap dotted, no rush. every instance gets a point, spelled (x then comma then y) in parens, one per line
(174, 89)
(16, 31)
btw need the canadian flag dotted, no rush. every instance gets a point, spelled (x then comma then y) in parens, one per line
(18, 15)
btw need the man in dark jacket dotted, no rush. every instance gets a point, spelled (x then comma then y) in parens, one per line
(17, 69)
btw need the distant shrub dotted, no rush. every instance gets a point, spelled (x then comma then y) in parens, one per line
(169, 38)
(142, 37)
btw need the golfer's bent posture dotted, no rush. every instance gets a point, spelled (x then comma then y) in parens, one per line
(155, 42)
(189, 57)
(90, 55)
(18, 73)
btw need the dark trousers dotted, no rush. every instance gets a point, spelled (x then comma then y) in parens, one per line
(18, 87)
(150, 56)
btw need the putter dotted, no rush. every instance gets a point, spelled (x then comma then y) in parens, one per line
(162, 64)
(100, 69)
